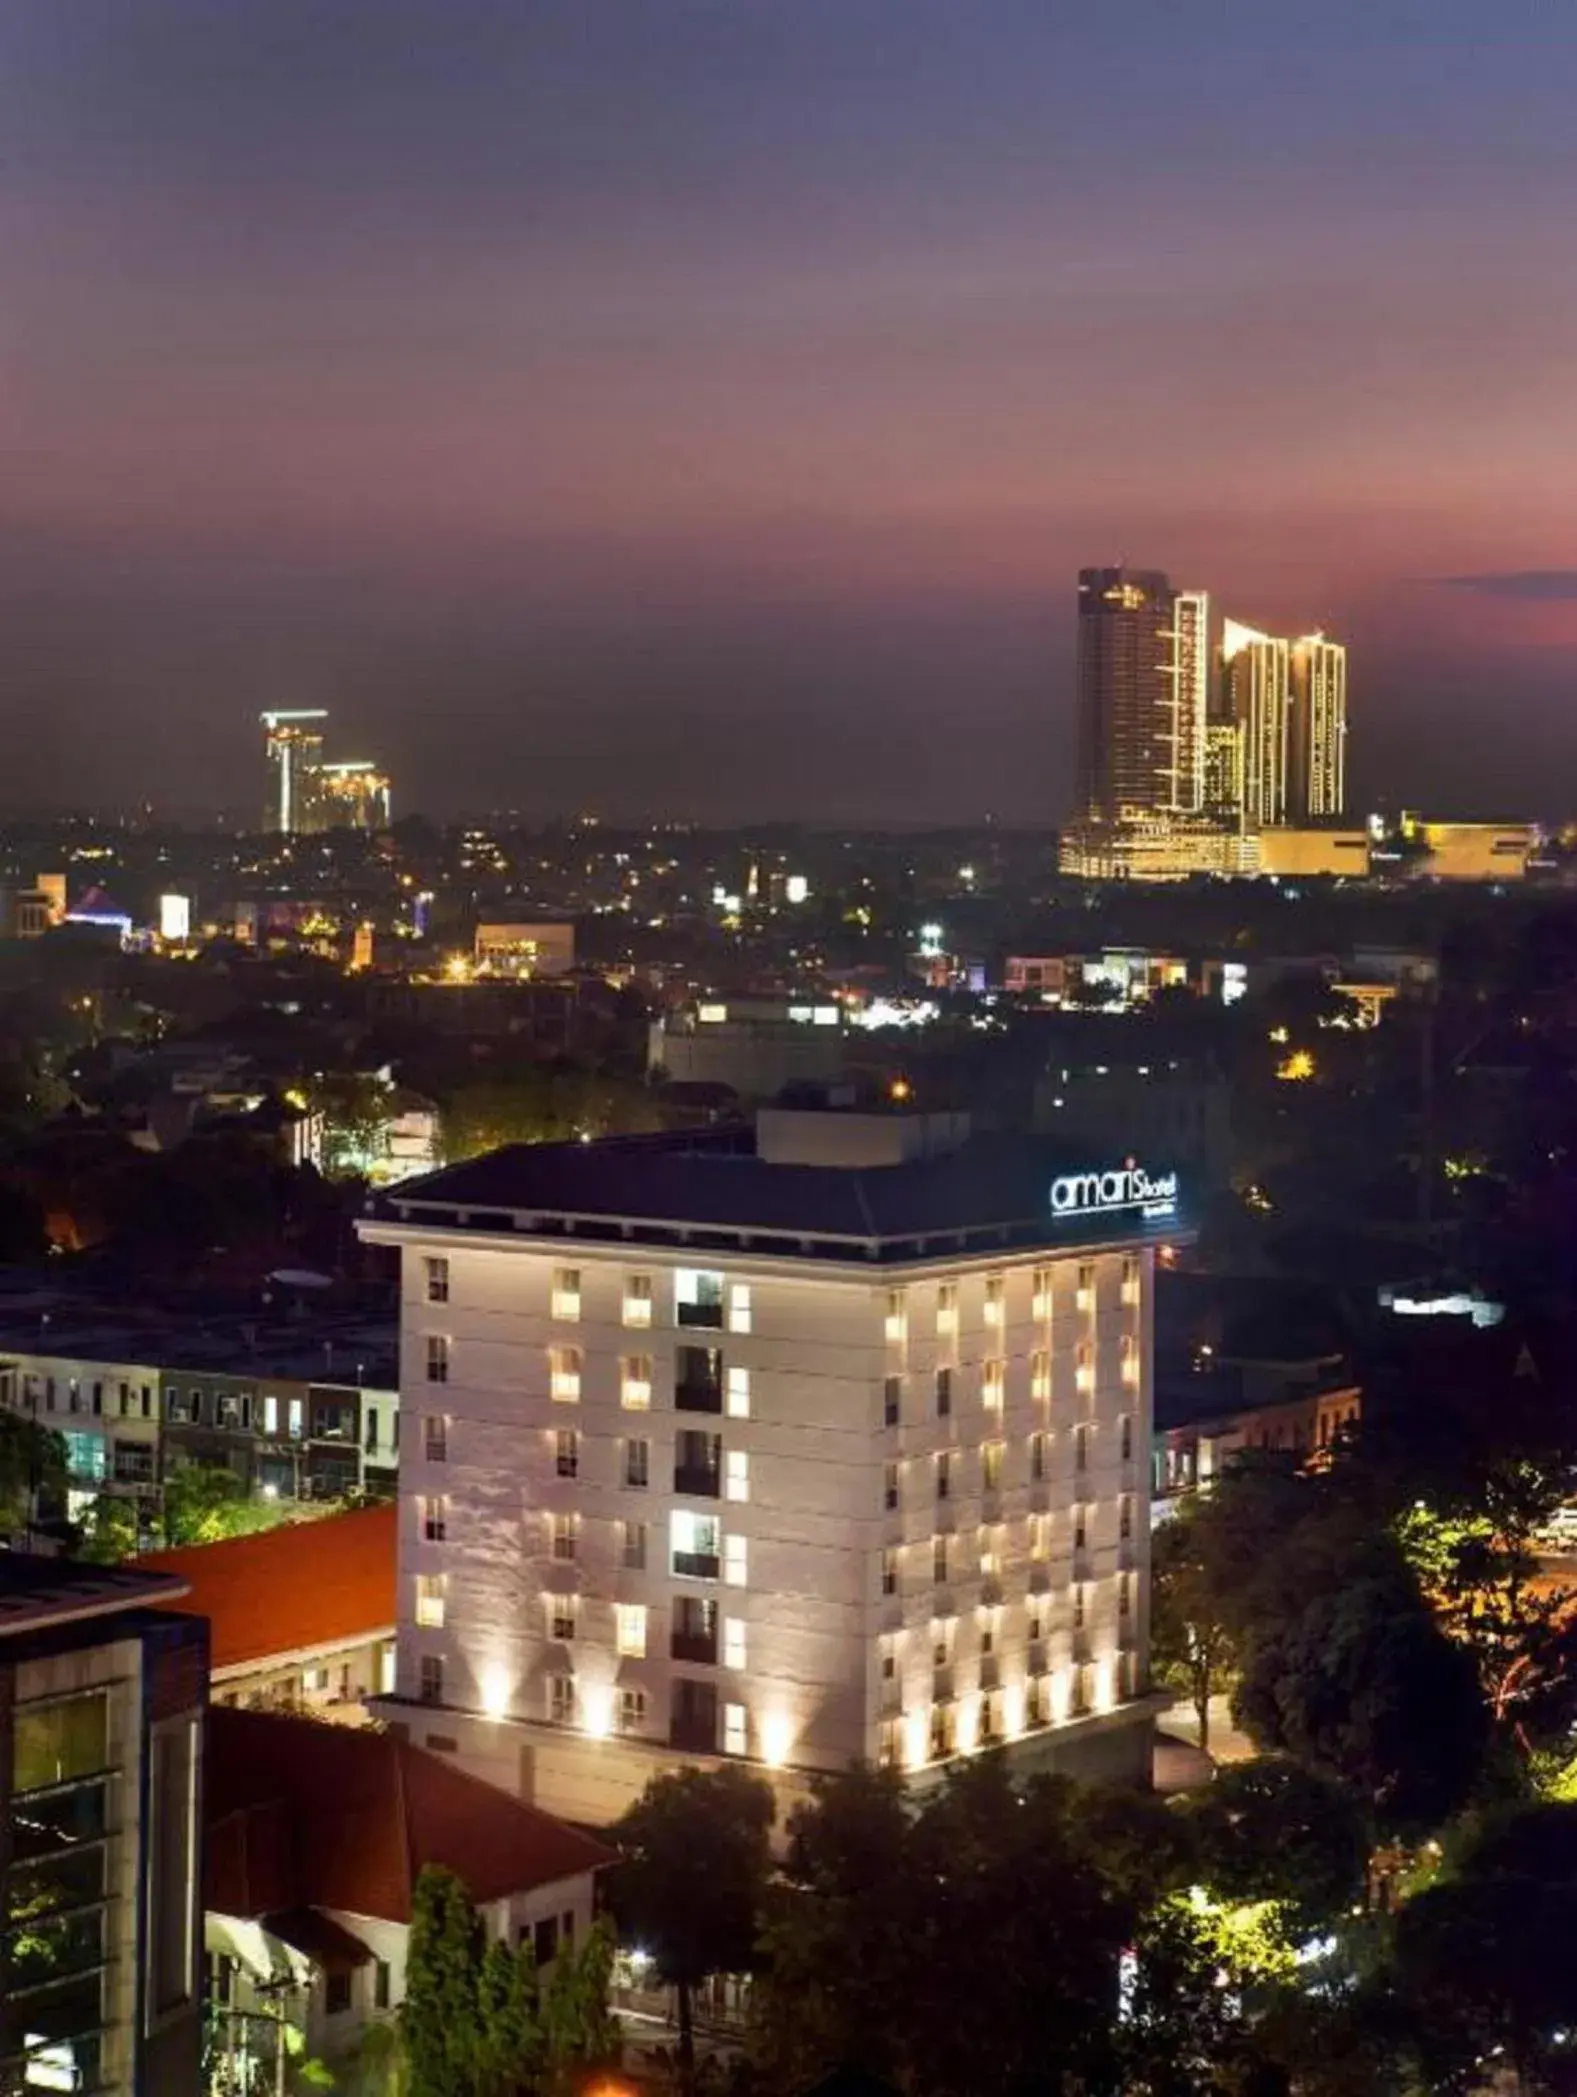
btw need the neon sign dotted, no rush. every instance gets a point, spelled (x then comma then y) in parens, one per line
(1115, 1192)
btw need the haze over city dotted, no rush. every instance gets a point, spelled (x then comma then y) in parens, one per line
(705, 409)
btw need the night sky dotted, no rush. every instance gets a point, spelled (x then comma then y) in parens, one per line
(703, 408)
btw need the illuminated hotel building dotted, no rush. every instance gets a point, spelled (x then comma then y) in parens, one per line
(818, 1442)
(294, 746)
(353, 795)
(1143, 684)
(1319, 728)
(1256, 694)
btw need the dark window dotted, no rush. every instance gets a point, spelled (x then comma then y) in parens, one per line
(699, 1299)
(694, 1633)
(698, 1380)
(336, 1994)
(694, 1723)
(432, 1679)
(545, 1940)
(382, 1981)
(944, 1393)
(698, 1463)
(892, 1396)
(172, 1903)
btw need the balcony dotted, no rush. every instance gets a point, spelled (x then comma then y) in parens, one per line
(696, 1565)
(693, 1397)
(698, 1481)
(697, 1646)
(707, 1316)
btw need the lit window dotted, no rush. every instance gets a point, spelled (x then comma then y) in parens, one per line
(736, 1730)
(991, 1457)
(990, 1552)
(564, 1374)
(632, 1710)
(736, 1558)
(739, 1307)
(694, 1542)
(1130, 1283)
(1040, 1375)
(996, 1305)
(435, 1279)
(1084, 1372)
(430, 1601)
(896, 1324)
(630, 1630)
(1084, 1295)
(561, 1618)
(561, 1529)
(435, 1437)
(437, 1357)
(947, 1310)
(736, 1475)
(993, 1383)
(943, 1631)
(739, 1394)
(566, 1292)
(637, 1299)
(734, 1641)
(1040, 1293)
(698, 1297)
(270, 1413)
(635, 1383)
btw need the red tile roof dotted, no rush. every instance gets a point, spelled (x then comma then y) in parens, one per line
(289, 1589)
(299, 1813)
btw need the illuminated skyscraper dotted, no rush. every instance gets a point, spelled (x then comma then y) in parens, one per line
(352, 795)
(294, 745)
(1256, 690)
(1319, 728)
(1143, 695)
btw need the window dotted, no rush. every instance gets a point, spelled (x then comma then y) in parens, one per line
(991, 1467)
(1128, 1355)
(561, 1709)
(890, 1487)
(336, 1994)
(561, 1618)
(736, 1476)
(435, 1519)
(633, 1539)
(739, 1307)
(941, 1731)
(1084, 1294)
(437, 1357)
(1078, 1606)
(195, 1414)
(435, 1437)
(545, 1941)
(1124, 1605)
(1081, 1448)
(632, 1710)
(698, 1380)
(172, 1850)
(734, 1641)
(59, 1742)
(369, 1443)
(629, 1621)
(944, 1393)
(944, 1475)
(739, 1394)
(1037, 1457)
(736, 1730)
(430, 1601)
(698, 1297)
(889, 1572)
(635, 1382)
(892, 1399)
(1040, 1375)
(435, 1280)
(1040, 1293)
(988, 1632)
(993, 1383)
(295, 1413)
(946, 1310)
(175, 1405)
(1125, 1519)
(638, 1299)
(1130, 1283)
(1081, 1532)
(991, 1551)
(382, 1984)
(939, 1560)
(996, 1301)
(943, 1631)
(566, 1453)
(432, 1679)
(1084, 1372)
(736, 1560)
(695, 1543)
(698, 1463)
(565, 1300)
(638, 1464)
(561, 1530)
(564, 1374)
(270, 1413)
(896, 1321)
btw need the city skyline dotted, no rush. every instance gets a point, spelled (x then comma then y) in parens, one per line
(553, 399)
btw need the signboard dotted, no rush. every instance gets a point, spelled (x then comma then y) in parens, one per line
(1123, 1189)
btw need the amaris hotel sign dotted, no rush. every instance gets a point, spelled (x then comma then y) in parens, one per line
(1123, 1190)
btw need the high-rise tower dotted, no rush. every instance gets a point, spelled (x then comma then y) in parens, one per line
(294, 746)
(1143, 691)
(1255, 673)
(1319, 728)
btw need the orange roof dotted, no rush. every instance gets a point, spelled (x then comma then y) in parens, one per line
(290, 1589)
(299, 1813)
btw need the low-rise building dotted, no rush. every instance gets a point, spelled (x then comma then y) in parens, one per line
(301, 1616)
(103, 1698)
(316, 1837)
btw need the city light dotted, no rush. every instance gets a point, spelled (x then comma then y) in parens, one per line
(495, 1687)
(777, 1738)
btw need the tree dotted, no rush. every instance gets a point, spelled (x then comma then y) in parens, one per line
(32, 1471)
(696, 1853)
(442, 1971)
(205, 1503)
(1271, 1830)
(1192, 1649)
(110, 1529)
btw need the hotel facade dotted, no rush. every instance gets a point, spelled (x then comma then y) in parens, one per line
(822, 1442)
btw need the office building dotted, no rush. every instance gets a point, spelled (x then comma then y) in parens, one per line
(352, 794)
(103, 1697)
(1256, 695)
(1143, 694)
(1319, 728)
(820, 1441)
(294, 746)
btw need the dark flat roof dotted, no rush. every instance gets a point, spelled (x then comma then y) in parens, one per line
(36, 1591)
(994, 1189)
